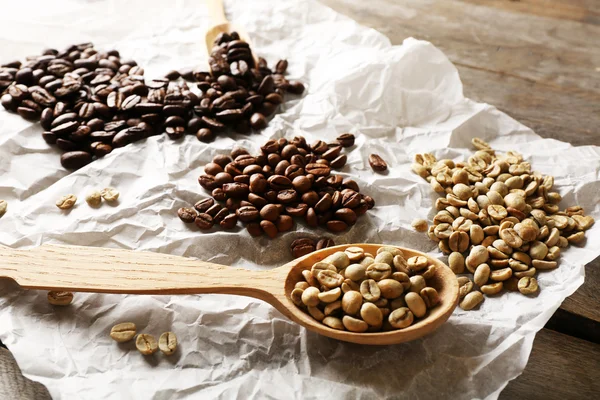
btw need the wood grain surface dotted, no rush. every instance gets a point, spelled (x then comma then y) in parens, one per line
(538, 61)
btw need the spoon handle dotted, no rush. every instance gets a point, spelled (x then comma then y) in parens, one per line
(103, 270)
(216, 12)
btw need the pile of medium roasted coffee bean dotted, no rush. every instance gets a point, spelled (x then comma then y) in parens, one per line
(361, 292)
(502, 216)
(89, 102)
(286, 180)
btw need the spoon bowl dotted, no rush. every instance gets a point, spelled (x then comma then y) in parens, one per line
(103, 270)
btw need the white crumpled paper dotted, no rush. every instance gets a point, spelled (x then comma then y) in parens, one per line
(398, 100)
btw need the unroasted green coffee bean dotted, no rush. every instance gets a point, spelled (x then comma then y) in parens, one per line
(369, 290)
(471, 300)
(356, 272)
(123, 332)
(66, 202)
(379, 271)
(94, 198)
(296, 296)
(456, 262)
(301, 285)
(528, 285)
(351, 302)
(417, 282)
(339, 259)
(492, 289)
(349, 285)
(397, 303)
(365, 262)
(429, 272)
(110, 194)
(354, 324)
(538, 250)
(355, 253)
(330, 279)
(57, 298)
(419, 225)
(371, 314)
(415, 304)
(401, 318)
(390, 288)
(430, 296)
(310, 279)
(478, 255)
(529, 272)
(384, 257)
(403, 278)
(333, 322)
(501, 274)
(316, 313)
(146, 344)
(310, 297)
(390, 249)
(322, 266)
(332, 307)
(465, 285)
(400, 264)
(482, 274)
(167, 343)
(331, 295)
(417, 263)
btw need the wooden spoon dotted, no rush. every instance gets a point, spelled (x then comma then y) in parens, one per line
(216, 13)
(102, 270)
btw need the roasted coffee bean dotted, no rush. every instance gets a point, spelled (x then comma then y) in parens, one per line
(258, 121)
(346, 139)
(204, 221)
(75, 159)
(28, 113)
(247, 213)
(377, 163)
(236, 190)
(187, 215)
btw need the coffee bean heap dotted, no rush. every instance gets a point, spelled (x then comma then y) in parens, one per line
(499, 219)
(90, 102)
(286, 180)
(361, 292)
(303, 246)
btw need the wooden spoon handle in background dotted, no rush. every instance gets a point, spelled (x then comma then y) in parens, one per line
(216, 12)
(103, 270)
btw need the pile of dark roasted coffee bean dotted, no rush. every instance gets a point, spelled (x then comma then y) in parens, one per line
(305, 245)
(90, 102)
(286, 180)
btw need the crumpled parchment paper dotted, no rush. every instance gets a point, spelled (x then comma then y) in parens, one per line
(398, 100)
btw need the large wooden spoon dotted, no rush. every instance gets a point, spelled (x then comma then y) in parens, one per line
(102, 270)
(216, 13)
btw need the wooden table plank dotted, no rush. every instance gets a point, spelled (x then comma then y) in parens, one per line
(546, 50)
(587, 11)
(565, 108)
(560, 367)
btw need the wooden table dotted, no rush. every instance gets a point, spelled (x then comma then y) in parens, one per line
(538, 61)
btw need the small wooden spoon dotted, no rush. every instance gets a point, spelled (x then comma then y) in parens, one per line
(102, 270)
(220, 23)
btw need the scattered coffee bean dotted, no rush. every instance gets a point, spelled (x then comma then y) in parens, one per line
(60, 298)
(66, 202)
(187, 215)
(110, 194)
(377, 164)
(346, 140)
(375, 294)
(420, 225)
(146, 344)
(499, 219)
(123, 332)
(94, 198)
(167, 343)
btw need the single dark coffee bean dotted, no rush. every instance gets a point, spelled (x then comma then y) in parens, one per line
(322, 218)
(130, 102)
(213, 124)
(270, 196)
(203, 205)
(346, 139)
(49, 137)
(187, 215)
(81, 133)
(125, 137)
(100, 149)
(28, 113)
(302, 184)
(175, 132)
(66, 145)
(115, 100)
(279, 182)
(284, 223)
(236, 190)
(205, 135)
(221, 178)
(311, 218)
(323, 243)
(172, 75)
(254, 229)
(18, 92)
(297, 210)
(204, 221)
(317, 169)
(252, 169)
(9, 103)
(222, 160)
(335, 181)
(220, 216)
(324, 203)
(270, 212)
(24, 76)
(258, 183)
(311, 198)
(257, 201)
(247, 213)
(336, 226)
(351, 199)
(245, 179)
(350, 184)
(46, 118)
(369, 200)
(339, 162)
(281, 167)
(377, 163)
(302, 250)
(229, 222)
(295, 87)
(232, 169)
(207, 182)
(346, 215)
(269, 228)
(218, 194)
(212, 168)
(281, 67)
(287, 196)
(75, 159)
(43, 98)
(258, 121)
(267, 109)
